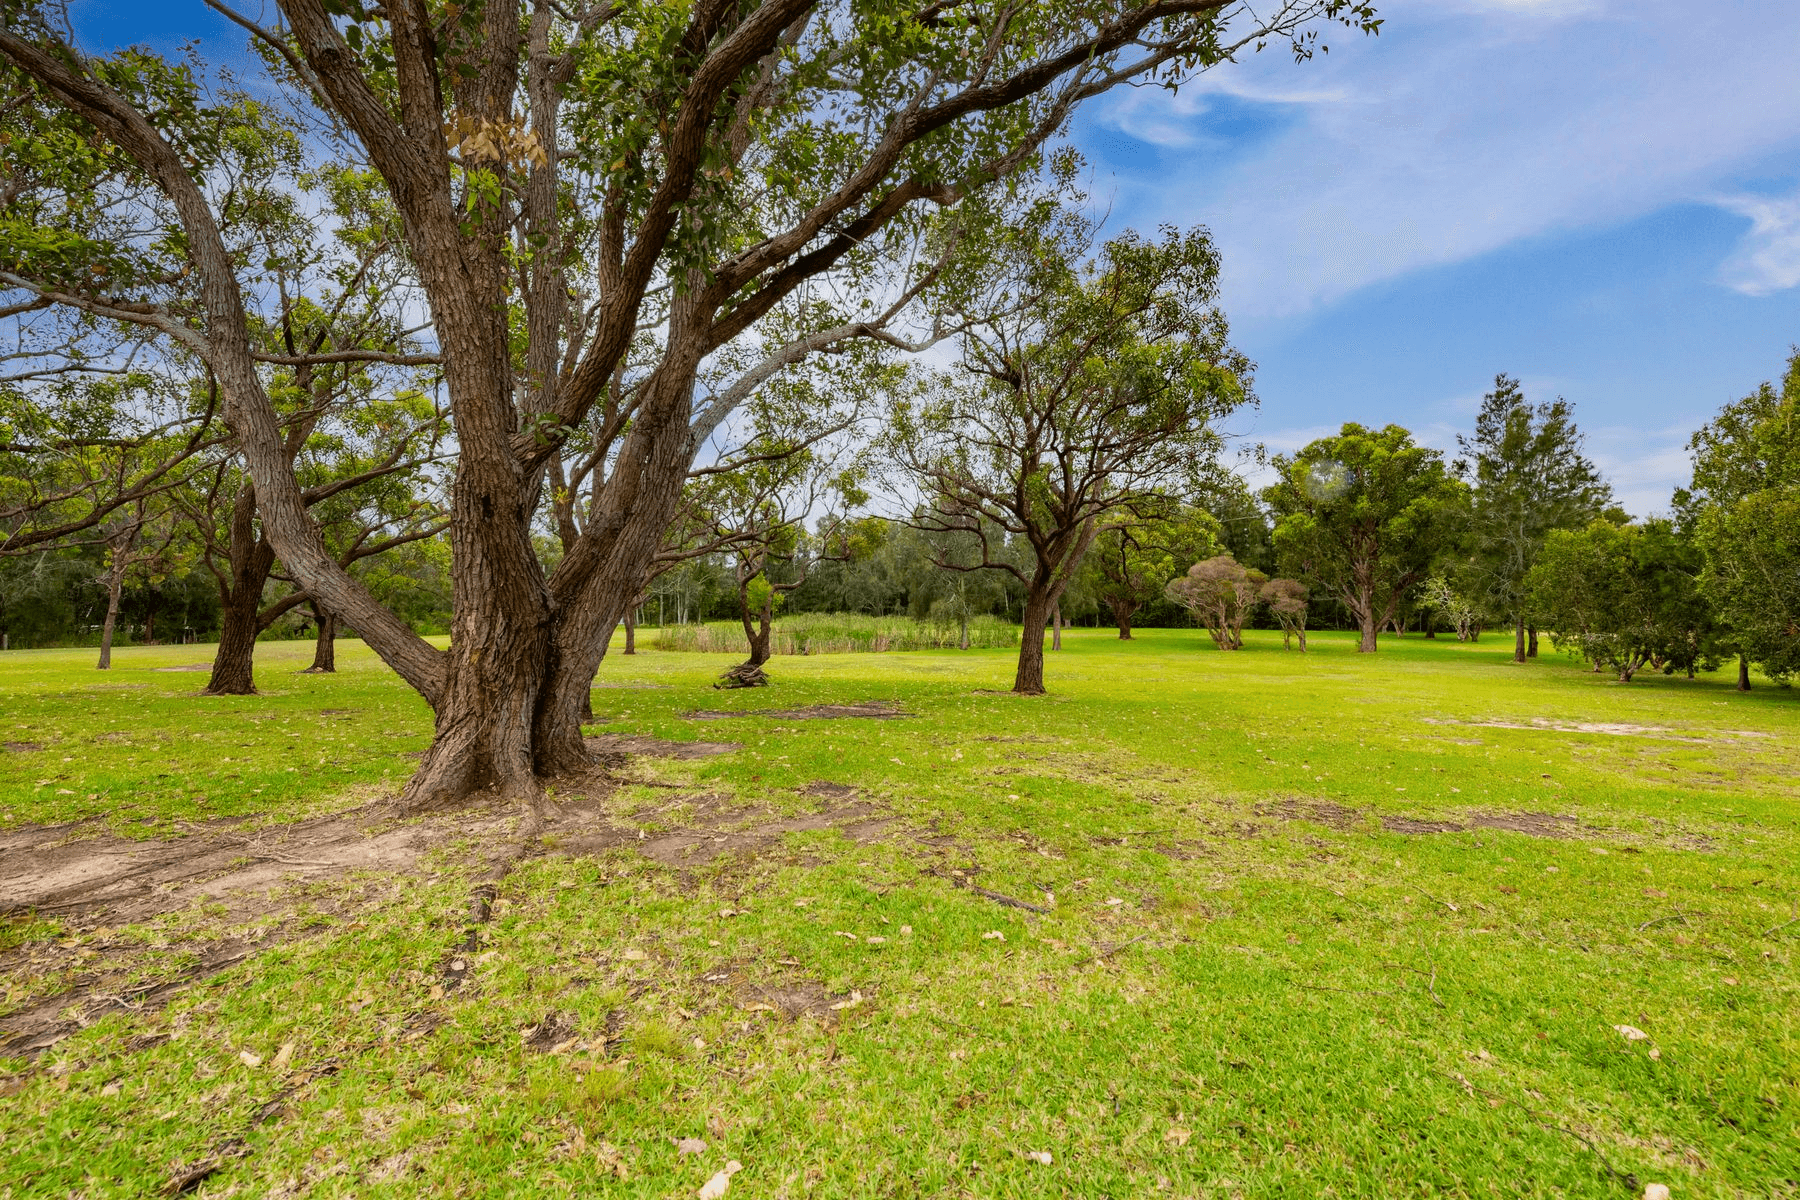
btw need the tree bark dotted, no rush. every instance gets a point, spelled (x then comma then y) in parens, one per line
(240, 600)
(325, 649)
(115, 584)
(630, 632)
(1029, 679)
(1743, 680)
(1056, 626)
(1122, 614)
(1531, 641)
(1519, 639)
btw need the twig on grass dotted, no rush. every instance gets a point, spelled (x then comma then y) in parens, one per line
(1775, 929)
(1430, 979)
(1316, 987)
(1624, 1177)
(1675, 916)
(985, 894)
(1092, 958)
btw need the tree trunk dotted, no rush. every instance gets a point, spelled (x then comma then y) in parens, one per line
(325, 649)
(630, 632)
(1056, 626)
(1366, 623)
(758, 632)
(1519, 639)
(1122, 614)
(1029, 680)
(115, 583)
(1743, 683)
(1531, 641)
(240, 599)
(963, 618)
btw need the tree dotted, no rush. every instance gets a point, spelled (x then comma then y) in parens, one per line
(1624, 597)
(571, 182)
(1362, 515)
(1286, 599)
(1089, 398)
(1220, 592)
(1530, 477)
(1130, 561)
(1743, 506)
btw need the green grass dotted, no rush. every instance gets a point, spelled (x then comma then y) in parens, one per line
(1248, 984)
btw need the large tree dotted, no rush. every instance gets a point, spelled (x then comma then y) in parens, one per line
(1090, 397)
(1361, 516)
(597, 200)
(1743, 507)
(1132, 560)
(1530, 477)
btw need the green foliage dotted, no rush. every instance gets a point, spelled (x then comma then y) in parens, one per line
(1530, 477)
(845, 633)
(1744, 509)
(1131, 561)
(1624, 597)
(1362, 516)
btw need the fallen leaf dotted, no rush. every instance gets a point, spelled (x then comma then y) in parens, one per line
(715, 1187)
(635, 955)
(1040, 1156)
(855, 999)
(842, 934)
(1113, 901)
(881, 941)
(1656, 1191)
(1177, 1136)
(993, 935)
(249, 1059)
(1730, 981)
(1657, 892)
(1655, 1054)
(689, 1146)
(759, 1007)
(1632, 1033)
(111, 1089)
(283, 1056)
(906, 929)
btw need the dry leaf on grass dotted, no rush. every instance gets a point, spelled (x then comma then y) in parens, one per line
(1632, 1033)
(1039, 1156)
(1177, 1136)
(283, 1056)
(689, 1146)
(715, 1187)
(634, 955)
(249, 1059)
(993, 935)
(1656, 1191)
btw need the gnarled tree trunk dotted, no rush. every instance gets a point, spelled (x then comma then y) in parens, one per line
(1123, 611)
(325, 649)
(1029, 679)
(240, 603)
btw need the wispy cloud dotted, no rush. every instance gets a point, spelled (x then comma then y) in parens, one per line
(1466, 127)
(1768, 259)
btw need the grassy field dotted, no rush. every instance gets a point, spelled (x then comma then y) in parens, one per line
(1324, 925)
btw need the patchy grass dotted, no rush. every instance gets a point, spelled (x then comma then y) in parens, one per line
(1315, 925)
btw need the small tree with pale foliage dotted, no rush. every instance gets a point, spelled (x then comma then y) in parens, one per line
(1286, 599)
(1436, 593)
(1219, 591)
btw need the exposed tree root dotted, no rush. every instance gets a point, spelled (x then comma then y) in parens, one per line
(744, 675)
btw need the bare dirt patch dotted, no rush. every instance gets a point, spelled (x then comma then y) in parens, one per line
(788, 998)
(21, 747)
(875, 710)
(1610, 728)
(694, 846)
(626, 744)
(1323, 812)
(827, 790)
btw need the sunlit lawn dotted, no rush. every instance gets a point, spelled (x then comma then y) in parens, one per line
(1247, 982)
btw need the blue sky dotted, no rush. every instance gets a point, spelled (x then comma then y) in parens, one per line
(1601, 198)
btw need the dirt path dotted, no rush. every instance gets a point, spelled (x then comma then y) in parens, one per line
(262, 885)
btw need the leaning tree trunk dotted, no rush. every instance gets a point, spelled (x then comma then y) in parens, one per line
(1743, 682)
(325, 649)
(115, 584)
(1029, 680)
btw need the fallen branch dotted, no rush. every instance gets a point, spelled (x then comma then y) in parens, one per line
(996, 897)
(1679, 916)
(1775, 929)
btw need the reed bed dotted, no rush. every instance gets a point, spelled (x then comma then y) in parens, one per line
(840, 633)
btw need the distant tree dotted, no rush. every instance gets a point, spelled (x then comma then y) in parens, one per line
(1131, 561)
(1362, 516)
(1624, 597)
(1091, 395)
(1743, 506)
(1220, 592)
(1286, 599)
(1530, 477)
(1437, 594)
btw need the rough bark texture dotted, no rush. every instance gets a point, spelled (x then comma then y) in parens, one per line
(1519, 640)
(1531, 641)
(240, 603)
(1029, 680)
(630, 632)
(1056, 626)
(325, 649)
(1743, 680)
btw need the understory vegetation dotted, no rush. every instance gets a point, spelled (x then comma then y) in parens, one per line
(1197, 924)
(843, 633)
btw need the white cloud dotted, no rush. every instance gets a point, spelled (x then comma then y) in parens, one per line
(1768, 259)
(1463, 128)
